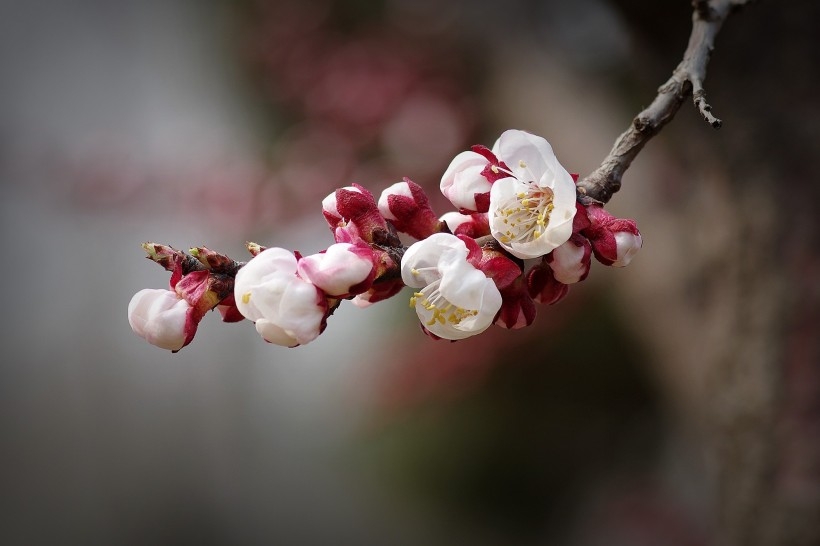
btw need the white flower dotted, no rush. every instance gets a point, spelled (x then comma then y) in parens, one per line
(286, 309)
(339, 269)
(456, 299)
(159, 316)
(463, 181)
(531, 211)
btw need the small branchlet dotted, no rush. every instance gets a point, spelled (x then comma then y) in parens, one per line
(707, 19)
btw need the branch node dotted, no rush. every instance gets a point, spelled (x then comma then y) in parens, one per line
(703, 10)
(642, 124)
(669, 87)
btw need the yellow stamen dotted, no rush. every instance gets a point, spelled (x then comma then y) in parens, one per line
(527, 215)
(442, 311)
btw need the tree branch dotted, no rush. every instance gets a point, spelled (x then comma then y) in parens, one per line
(707, 19)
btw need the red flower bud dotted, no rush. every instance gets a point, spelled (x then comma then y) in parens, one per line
(615, 241)
(407, 207)
(517, 308)
(542, 285)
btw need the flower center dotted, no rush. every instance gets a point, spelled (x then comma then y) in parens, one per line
(526, 215)
(442, 311)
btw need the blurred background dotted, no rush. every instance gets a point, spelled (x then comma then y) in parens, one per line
(676, 402)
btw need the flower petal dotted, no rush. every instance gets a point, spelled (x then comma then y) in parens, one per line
(159, 316)
(463, 180)
(269, 264)
(570, 262)
(419, 265)
(462, 284)
(338, 269)
(301, 311)
(527, 155)
(273, 333)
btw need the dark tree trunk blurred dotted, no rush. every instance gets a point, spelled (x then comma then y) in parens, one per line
(734, 309)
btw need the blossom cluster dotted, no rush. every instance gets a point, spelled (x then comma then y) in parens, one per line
(519, 237)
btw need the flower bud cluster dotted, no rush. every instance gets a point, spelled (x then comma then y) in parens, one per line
(527, 201)
(199, 282)
(289, 297)
(518, 237)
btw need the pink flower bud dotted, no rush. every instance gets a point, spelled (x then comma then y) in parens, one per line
(627, 244)
(341, 270)
(542, 285)
(381, 290)
(387, 280)
(464, 183)
(330, 209)
(343, 230)
(406, 205)
(517, 307)
(354, 211)
(615, 241)
(286, 309)
(161, 318)
(472, 225)
(200, 281)
(570, 262)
